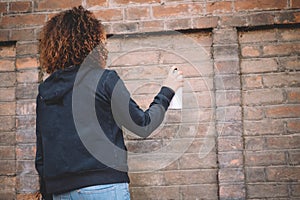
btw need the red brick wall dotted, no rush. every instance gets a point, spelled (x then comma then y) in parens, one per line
(270, 95)
(247, 93)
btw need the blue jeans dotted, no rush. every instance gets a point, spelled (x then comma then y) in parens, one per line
(117, 191)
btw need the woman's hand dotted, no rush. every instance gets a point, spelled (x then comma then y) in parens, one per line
(174, 79)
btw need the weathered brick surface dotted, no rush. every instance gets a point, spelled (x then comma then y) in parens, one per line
(241, 93)
(271, 111)
(7, 121)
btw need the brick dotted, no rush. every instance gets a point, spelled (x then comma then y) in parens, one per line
(26, 91)
(27, 63)
(226, 35)
(293, 95)
(4, 35)
(251, 51)
(255, 174)
(7, 152)
(205, 22)
(4, 194)
(289, 34)
(170, 192)
(219, 7)
(127, 2)
(196, 145)
(290, 63)
(293, 126)
(196, 55)
(18, 21)
(294, 157)
(232, 191)
(137, 13)
(3, 7)
(200, 115)
(226, 67)
(171, 58)
(7, 94)
(195, 130)
(263, 127)
(7, 167)
(26, 135)
(230, 159)
(255, 143)
(282, 80)
(283, 174)
(26, 107)
(26, 122)
(243, 5)
(259, 65)
(113, 45)
(281, 49)
(282, 111)
(295, 190)
(114, 14)
(229, 144)
(198, 100)
(7, 123)
(25, 48)
(226, 52)
(25, 151)
(7, 65)
(151, 26)
(204, 68)
(264, 158)
(253, 113)
(295, 4)
(283, 142)
(167, 11)
(146, 179)
(177, 24)
(27, 183)
(56, 4)
(189, 177)
(287, 18)
(233, 20)
(258, 36)
(144, 146)
(263, 97)
(229, 129)
(135, 58)
(19, 7)
(26, 167)
(205, 191)
(227, 82)
(27, 76)
(129, 27)
(8, 51)
(267, 190)
(91, 3)
(261, 19)
(227, 114)
(7, 138)
(7, 79)
(7, 108)
(8, 183)
(23, 34)
(193, 161)
(229, 175)
(252, 82)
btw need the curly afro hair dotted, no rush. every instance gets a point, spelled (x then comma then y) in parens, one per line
(68, 37)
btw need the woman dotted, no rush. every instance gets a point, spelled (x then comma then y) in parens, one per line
(67, 167)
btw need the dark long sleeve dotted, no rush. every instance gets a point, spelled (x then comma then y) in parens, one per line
(128, 114)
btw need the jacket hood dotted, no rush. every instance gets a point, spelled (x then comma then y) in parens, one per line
(53, 89)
